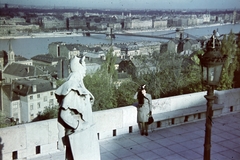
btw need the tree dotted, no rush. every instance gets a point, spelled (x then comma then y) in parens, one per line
(103, 91)
(170, 77)
(237, 72)
(109, 66)
(228, 48)
(193, 72)
(153, 83)
(59, 82)
(125, 93)
(175, 74)
(192, 81)
(4, 121)
(101, 85)
(48, 113)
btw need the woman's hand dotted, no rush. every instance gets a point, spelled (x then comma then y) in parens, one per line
(150, 113)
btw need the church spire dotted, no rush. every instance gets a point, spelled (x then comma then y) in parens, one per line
(11, 54)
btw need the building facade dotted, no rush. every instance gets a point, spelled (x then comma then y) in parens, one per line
(24, 99)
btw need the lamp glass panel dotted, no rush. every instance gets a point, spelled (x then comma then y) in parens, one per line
(204, 74)
(211, 74)
(217, 73)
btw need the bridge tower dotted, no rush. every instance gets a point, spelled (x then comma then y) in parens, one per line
(179, 33)
(109, 33)
(109, 30)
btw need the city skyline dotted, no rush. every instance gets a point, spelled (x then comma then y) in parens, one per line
(132, 4)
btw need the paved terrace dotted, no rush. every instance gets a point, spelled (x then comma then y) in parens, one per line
(182, 142)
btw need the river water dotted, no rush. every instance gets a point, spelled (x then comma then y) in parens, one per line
(29, 47)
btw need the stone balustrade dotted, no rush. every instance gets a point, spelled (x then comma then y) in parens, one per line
(32, 139)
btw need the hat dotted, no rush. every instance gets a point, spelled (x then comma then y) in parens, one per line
(142, 87)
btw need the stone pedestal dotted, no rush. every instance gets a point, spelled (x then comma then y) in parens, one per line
(86, 147)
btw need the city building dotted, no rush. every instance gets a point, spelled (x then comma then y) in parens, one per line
(76, 22)
(45, 60)
(148, 48)
(191, 44)
(160, 23)
(143, 23)
(3, 59)
(136, 67)
(24, 21)
(60, 49)
(51, 22)
(172, 45)
(57, 67)
(16, 70)
(24, 99)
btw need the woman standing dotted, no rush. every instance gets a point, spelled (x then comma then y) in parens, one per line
(144, 108)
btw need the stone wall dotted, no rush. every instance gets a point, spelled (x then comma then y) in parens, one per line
(230, 99)
(31, 139)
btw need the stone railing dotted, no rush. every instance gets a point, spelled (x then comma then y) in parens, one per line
(32, 139)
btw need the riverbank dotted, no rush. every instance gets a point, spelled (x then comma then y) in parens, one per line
(130, 31)
(43, 35)
(29, 47)
(174, 28)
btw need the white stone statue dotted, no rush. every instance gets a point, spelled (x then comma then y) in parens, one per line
(75, 115)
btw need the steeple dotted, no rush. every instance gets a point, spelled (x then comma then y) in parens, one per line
(11, 54)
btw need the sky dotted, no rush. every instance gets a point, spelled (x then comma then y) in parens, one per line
(133, 4)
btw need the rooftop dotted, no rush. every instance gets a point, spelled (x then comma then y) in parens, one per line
(22, 70)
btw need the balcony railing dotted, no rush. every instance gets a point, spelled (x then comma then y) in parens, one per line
(32, 139)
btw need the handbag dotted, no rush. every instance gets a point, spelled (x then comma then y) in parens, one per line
(150, 120)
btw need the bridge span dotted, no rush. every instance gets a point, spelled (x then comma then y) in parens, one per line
(162, 36)
(179, 33)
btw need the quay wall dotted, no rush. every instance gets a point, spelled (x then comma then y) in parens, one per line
(40, 138)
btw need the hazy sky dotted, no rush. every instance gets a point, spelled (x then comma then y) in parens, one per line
(134, 4)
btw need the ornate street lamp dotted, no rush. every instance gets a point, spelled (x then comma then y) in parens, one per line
(212, 64)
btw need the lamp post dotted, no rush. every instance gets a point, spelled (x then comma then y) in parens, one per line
(212, 64)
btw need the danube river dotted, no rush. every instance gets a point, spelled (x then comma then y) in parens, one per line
(29, 47)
